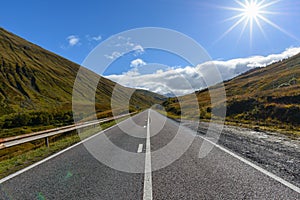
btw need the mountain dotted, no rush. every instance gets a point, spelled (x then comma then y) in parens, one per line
(262, 96)
(170, 94)
(35, 82)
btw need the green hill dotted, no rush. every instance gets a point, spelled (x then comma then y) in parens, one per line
(36, 86)
(268, 96)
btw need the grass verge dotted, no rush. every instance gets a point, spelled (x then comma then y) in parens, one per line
(288, 130)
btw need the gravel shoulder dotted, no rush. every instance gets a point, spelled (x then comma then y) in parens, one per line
(272, 151)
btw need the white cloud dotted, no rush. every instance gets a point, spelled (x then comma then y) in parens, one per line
(138, 49)
(137, 63)
(187, 79)
(93, 38)
(114, 55)
(234, 67)
(122, 45)
(97, 38)
(73, 40)
(178, 81)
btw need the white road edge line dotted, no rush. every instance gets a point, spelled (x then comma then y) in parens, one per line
(54, 155)
(148, 171)
(271, 175)
(140, 148)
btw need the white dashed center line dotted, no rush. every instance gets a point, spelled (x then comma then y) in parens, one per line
(140, 148)
(148, 170)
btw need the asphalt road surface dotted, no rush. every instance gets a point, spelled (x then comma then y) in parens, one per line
(152, 158)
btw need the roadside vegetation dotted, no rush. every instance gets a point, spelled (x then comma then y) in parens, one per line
(21, 123)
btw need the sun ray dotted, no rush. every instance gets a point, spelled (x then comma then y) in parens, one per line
(231, 28)
(260, 27)
(269, 12)
(233, 17)
(234, 9)
(243, 30)
(262, 6)
(251, 31)
(241, 4)
(278, 27)
(261, 3)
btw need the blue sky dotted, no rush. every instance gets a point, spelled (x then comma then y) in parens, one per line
(73, 28)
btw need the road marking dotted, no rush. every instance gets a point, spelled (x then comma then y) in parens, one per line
(271, 175)
(148, 170)
(56, 154)
(140, 148)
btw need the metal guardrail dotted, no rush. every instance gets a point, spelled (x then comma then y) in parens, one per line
(20, 139)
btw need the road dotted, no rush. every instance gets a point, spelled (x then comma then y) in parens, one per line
(275, 152)
(137, 167)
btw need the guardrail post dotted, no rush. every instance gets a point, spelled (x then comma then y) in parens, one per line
(47, 141)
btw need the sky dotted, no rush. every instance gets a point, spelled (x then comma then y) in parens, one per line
(73, 29)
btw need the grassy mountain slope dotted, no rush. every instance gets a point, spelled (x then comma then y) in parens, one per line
(262, 96)
(35, 82)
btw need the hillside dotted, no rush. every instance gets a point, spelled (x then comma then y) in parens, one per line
(268, 96)
(36, 86)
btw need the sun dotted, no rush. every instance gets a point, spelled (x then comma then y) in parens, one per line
(251, 10)
(251, 14)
